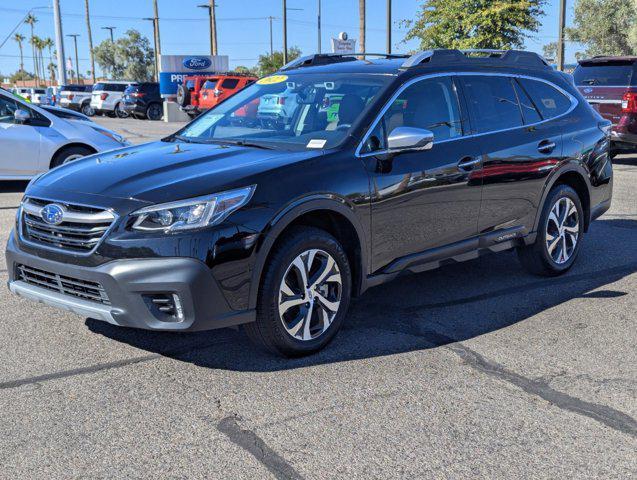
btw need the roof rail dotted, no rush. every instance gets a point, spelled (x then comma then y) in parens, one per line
(328, 58)
(475, 56)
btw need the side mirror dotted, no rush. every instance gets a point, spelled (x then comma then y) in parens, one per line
(406, 139)
(21, 116)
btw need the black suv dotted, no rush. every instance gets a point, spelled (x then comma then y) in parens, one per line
(386, 166)
(142, 100)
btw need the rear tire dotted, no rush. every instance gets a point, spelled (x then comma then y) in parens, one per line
(183, 95)
(559, 236)
(70, 154)
(154, 112)
(87, 109)
(294, 320)
(120, 112)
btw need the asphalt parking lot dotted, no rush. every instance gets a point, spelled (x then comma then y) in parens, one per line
(474, 370)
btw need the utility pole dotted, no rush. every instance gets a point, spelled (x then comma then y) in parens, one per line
(361, 25)
(157, 39)
(388, 26)
(213, 26)
(560, 39)
(90, 39)
(271, 46)
(285, 32)
(77, 62)
(154, 20)
(319, 27)
(59, 41)
(110, 29)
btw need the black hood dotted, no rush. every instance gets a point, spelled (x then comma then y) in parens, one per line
(163, 171)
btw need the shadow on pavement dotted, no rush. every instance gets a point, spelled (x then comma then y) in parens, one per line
(17, 186)
(417, 312)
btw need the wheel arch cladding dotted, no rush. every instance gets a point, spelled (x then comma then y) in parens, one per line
(336, 219)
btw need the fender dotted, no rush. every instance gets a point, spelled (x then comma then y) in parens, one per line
(553, 178)
(291, 212)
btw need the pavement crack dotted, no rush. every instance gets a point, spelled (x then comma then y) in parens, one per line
(255, 446)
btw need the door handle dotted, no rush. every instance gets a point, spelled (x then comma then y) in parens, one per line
(546, 146)
(468, 163)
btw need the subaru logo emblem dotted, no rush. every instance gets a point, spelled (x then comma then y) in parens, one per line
(197, 63)
(52, 214)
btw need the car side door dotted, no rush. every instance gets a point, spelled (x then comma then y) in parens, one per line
(422, 200)
(20, 142)
(519, 150)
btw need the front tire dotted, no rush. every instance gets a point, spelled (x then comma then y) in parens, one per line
(559, 235)
(120, 112)
(154, 112)
(70, 154)
(88, 110)
(304, 295)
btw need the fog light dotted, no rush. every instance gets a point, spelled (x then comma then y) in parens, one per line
(167, 307)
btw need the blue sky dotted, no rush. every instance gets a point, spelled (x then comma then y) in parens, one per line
(243, 31)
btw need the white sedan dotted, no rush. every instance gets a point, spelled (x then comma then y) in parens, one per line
(33, 140)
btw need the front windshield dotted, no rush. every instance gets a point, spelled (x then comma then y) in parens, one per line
(294, 112)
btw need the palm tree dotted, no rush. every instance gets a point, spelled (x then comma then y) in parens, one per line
(20, 38)
(48, 44)
(361, 25)
(31, 21)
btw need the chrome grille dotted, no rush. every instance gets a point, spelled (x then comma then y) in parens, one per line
(80, 231)
(83, 289)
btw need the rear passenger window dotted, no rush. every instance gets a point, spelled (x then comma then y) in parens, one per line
(230, 83)
(493, 103)
(529, 112)
(549, 100)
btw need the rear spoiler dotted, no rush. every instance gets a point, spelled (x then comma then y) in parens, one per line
(603, 60)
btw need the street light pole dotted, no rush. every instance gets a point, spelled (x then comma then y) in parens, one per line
(319, 27)
(213, 26)
(157, 39)
(388, 48)
(59, 41)
(110, 29)
(77, 66)
(560, 40)
(271, 45)
(285, 32)
(154, 20)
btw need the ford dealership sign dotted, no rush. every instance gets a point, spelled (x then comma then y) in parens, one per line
(173, 69)
(197, 63)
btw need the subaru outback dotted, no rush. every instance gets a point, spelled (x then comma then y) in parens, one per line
(423, 160)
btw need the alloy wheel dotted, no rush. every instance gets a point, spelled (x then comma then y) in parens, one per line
(562, 230)
(70, 158)
(310, 294)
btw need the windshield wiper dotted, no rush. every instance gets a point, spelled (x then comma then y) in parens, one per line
(242, 143)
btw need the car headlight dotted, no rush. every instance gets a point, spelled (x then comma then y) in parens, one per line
(192, 213)
(112, 135)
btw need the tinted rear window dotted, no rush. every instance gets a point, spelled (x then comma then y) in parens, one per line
(230, 83)
(605, 75)
(548, 100)
(76, 88)
(493, 103)
(110, 87)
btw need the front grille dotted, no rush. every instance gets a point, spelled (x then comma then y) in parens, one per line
(74, 287)
(80, 230)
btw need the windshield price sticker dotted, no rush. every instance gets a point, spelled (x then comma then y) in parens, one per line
(272, 80)
(316, 143)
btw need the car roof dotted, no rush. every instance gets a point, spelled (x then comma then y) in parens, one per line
(608, 60)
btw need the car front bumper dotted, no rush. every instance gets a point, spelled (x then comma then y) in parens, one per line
(129, 287)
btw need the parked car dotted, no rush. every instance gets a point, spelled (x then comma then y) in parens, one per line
(609, 84)
(77, 97)
(200, 93)
(430, 159)
(33, 95)
(142, 100)
(106, 98)
(34, 139)
(278, 108)
(51, 97)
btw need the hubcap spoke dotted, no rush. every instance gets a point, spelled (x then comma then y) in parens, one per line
(562, 230)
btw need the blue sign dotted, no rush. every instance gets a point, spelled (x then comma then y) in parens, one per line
(197, 63)
(52, 214)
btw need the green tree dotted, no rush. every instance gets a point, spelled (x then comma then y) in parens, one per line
(129, 57)
(19, 39)
(550, 51)
(20, 75)
(605, 27)
(31, 20)
(474, 23)
(268, 64)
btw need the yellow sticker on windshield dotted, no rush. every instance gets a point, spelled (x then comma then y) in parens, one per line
(272, 80)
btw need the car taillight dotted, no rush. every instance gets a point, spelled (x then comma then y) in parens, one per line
(281, 101)
(70, 96)
(104, 96)
(138, 94)
(629, 102)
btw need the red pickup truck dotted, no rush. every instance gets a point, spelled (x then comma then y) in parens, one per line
(199, 93)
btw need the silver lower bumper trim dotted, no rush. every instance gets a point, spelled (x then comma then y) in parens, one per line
(64, 302)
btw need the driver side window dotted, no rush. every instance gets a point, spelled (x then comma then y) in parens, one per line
(429, 104)
(7, 108)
